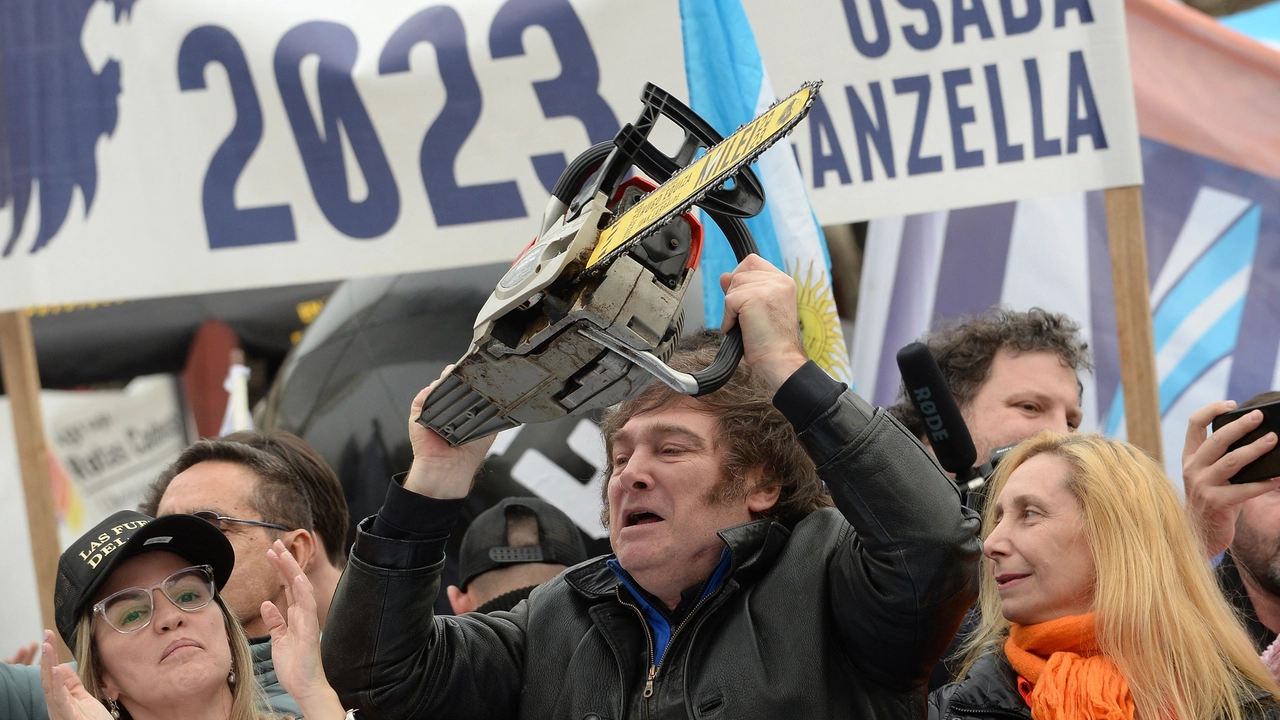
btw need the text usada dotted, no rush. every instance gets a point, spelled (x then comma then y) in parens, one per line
(890, 118)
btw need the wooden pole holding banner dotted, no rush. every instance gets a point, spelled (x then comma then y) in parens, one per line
(22, 383)
(1131, 283)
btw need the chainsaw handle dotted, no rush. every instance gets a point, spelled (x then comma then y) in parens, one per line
(723, 367)
(735, 230)
(731, 350)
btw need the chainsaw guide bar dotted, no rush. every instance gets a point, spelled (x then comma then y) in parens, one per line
(704, 174)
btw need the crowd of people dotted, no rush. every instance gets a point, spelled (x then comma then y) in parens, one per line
(781, 548)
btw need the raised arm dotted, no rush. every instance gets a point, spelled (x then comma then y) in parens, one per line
(438, 470)
(907, 572)
(295, 642)
(384, 650)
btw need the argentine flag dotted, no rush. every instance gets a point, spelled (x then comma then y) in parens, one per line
(728, 87)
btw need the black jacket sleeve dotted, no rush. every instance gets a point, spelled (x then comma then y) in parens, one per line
(387, 654)
(907, 570)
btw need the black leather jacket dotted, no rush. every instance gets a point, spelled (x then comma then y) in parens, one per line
(990, 692)
(842, 616)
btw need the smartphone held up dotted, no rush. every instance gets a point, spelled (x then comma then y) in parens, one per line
(1267, 466)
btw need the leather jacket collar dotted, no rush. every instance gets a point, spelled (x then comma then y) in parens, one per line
(992, 687)
(752, 549)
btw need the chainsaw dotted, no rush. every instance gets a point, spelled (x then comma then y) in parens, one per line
(589, 313)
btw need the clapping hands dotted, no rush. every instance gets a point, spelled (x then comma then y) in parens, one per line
(295, 641)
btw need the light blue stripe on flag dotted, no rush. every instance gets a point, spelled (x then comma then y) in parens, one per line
(1229, 255)
(1226, 257)
(724, 72)
(729, 87)
(1217, 342)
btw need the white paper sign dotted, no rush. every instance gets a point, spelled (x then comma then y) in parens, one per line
(109, 446)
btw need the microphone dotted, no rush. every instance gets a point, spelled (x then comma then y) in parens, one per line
(944, 426)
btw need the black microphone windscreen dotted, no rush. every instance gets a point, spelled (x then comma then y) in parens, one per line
(943, 424)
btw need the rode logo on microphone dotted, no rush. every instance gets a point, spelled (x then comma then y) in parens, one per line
(929, 414)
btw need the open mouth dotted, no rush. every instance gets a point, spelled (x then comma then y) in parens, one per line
(641, 517)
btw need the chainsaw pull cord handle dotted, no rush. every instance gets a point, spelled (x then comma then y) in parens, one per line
(579, 171)
(730, 352)
(571, 182)
(570, 186)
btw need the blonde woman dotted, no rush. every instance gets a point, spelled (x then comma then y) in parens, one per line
(1096, 601)
(138, 599)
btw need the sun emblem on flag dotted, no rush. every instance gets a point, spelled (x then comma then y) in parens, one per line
(819, 322)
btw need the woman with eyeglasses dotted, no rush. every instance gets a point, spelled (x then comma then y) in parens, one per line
(138, 601)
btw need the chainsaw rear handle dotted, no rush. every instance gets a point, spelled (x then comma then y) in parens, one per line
(730, 352)
(727, 357)
(743, 195)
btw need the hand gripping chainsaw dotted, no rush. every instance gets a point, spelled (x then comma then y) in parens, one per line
(590, 311)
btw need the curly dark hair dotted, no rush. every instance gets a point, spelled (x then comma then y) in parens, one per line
(752, 431)
(966, 349)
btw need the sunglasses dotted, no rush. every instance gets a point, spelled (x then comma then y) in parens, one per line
(216, 520)
(130, 610)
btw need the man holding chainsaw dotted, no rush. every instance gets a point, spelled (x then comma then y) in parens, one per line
(735, 589)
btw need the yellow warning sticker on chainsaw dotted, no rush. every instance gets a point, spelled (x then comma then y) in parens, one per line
(705, 173)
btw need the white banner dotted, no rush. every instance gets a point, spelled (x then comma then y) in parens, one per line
(160, 148)
(936, 104)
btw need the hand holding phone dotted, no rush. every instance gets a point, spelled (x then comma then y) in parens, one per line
(1268, 465)
(1210, 464)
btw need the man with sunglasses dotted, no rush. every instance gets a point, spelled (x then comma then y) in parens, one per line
(258, 488)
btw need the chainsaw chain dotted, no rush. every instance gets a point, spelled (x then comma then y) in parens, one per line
(626, 245)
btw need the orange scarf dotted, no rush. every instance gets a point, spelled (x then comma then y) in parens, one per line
(1072, 680)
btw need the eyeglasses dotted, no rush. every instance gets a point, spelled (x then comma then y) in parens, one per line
(216, 520)
(131, 609)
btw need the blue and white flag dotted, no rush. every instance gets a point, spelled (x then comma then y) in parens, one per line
(1212, 232)
(1211, 209)
(728, 87)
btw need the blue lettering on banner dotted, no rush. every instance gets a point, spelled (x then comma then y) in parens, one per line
(962, 17)
(960, 116)
(573, 93)
(1004, 151)
(918, 84)
(1044, 147)
(874, 132)
(1015, 24)
(823, 131)
(226, 224)
(1081, 96)
(576, 91)
(342, 111)
(1060, 8)
(932, 34)
(868, 48)
(877, 130)
(341, 126)
(452, 204)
